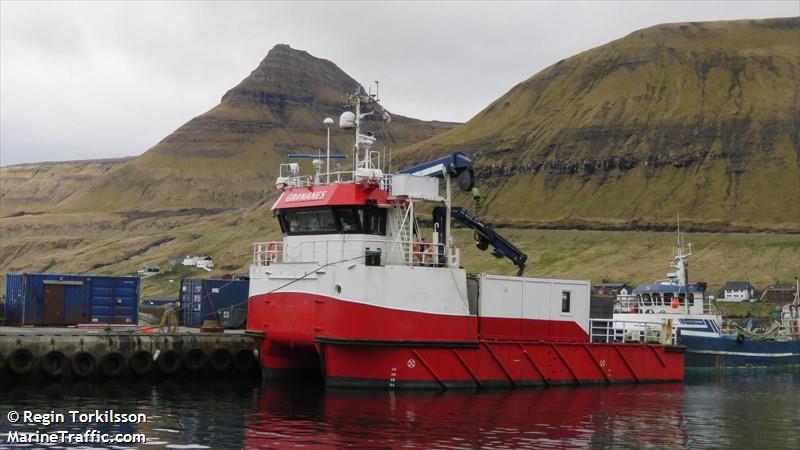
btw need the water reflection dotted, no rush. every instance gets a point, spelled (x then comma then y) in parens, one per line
(591, 416)
(732, 411)
(200, 413)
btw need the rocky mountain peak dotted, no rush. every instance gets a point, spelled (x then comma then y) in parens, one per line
(294, 75)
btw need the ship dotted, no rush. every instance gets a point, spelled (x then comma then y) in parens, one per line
(682, 311)
(358, 292)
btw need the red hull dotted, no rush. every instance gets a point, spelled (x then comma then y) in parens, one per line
(353, 344)
(495, 363)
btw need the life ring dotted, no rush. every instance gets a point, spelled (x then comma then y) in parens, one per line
(112, 364)
(53, 364)
(195, 360)
(21, 361)
(272, 252)
(220, 360)
(141, 362)
(244, 360)
(169, 361)
(82, 364)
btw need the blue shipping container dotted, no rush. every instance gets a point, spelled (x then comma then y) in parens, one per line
(58, 299)
(202, 299)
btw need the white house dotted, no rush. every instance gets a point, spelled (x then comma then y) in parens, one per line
(205, 262)
(738, 291)
(148, 271)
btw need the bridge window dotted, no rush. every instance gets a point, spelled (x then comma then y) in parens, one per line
(350, 219)
(565, 295)
(375, 221)
(309, 221)
(363, 220)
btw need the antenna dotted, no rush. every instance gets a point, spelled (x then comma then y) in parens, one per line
(328, 122)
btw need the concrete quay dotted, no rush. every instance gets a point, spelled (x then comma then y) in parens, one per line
(118, 352)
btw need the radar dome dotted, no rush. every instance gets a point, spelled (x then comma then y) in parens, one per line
(347, 120)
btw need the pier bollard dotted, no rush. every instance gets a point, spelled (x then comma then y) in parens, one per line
(221, 359)
(141, 362)
(195, 360)
(169, 361)
(53, 364)
(21, 361)
(112, 364)
(244, 360)
(82, 364)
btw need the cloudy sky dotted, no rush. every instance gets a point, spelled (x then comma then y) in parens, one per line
(99, 80)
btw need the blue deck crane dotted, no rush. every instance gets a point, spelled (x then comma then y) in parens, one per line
(458, 167)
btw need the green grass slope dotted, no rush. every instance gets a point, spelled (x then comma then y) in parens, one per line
(696, 118)
(119, 244)
(31, 188)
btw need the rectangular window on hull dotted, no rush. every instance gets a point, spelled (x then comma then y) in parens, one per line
(349, 220)
(565, 295)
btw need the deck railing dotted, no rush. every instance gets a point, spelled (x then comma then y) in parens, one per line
(633, 304)
(408, 253)
(609, 330)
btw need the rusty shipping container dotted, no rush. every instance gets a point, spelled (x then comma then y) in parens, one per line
(49, 299)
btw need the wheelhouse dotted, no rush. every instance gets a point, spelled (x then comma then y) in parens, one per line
(365, 219)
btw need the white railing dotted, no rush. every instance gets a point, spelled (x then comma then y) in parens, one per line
(633, 303)
(408, 253)
(609, 330)
(266, 253)
(338, 177)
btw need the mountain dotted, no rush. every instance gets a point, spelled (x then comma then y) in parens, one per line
(696, 119)
(32, 188)
(700, 118)
(228, 157)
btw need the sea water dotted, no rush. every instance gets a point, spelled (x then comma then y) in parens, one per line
(748, 411)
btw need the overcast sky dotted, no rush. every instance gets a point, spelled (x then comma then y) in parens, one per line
(100, 80)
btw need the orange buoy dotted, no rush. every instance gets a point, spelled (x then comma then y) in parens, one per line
(675, 303)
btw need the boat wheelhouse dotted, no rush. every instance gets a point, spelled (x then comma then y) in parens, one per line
(356, 291)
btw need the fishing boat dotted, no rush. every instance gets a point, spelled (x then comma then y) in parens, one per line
(682, 309)
(773, 344)
(356, 292)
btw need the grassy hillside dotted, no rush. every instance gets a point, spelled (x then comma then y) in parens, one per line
(696, 118)
(119, 244)
(36, 187)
